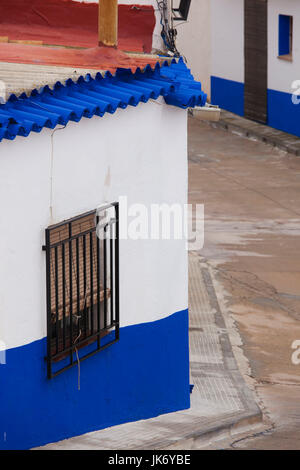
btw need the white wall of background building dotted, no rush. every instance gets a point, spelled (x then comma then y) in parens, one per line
(227, 39)
(227, 36)
(228, 62)
(282, 73)
(194, 41)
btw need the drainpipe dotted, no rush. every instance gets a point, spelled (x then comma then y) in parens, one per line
(108, 23)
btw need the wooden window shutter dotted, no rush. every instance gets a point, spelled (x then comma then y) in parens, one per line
(82, 278)
(256, 59)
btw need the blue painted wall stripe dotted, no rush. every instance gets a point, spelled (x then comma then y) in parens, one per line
(228, 95)
(145, 374)
(283, 114)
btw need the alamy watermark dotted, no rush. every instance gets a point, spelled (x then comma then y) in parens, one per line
(158, 222)
(2, 353)
(295, 87)
(296, 353)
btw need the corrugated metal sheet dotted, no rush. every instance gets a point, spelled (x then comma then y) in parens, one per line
(90, 97)
(20, 78)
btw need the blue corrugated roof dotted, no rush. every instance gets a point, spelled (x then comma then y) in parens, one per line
(90, 97)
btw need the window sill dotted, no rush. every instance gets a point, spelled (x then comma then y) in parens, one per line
(286, 57)
(89, 338)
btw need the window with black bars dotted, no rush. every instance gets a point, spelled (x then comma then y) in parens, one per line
(82, 274)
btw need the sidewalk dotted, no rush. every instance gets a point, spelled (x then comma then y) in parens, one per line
(251, 194)
(234, 123)
(222, 404)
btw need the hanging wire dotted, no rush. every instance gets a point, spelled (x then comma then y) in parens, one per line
(76, 317)
(168, 33)
(77, 355)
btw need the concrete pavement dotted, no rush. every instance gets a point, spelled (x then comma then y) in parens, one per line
(251, 193)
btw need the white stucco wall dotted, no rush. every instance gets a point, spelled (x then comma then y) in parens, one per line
(227, 19)
(227, 33)
(140, 153)
(282, 73)
(194, 41)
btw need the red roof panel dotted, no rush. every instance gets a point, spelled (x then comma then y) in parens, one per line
(69, 23)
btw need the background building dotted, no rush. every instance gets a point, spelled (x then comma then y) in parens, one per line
(256, 59)
(246, 54)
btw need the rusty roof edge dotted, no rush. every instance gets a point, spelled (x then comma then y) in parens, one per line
(35, 77)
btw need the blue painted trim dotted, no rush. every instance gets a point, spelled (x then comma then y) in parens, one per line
(284, 31)
(283, 114)
(145, 374)
(228, 94)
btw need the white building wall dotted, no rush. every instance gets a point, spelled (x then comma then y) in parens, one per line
(282, 73)
(140, 153)
(227, 49)
(194, 41)
(227, 36)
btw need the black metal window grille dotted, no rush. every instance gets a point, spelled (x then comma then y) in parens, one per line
(82, 275)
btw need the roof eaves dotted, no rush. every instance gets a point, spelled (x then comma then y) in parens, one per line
(88, 97)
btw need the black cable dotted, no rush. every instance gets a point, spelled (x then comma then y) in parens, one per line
(168, 33)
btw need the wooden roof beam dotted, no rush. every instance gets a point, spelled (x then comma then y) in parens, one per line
(108, 23)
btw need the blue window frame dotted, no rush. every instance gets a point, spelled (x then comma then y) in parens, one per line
(285, 42)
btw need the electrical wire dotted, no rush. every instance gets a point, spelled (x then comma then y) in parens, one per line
(52, 165)
(168, 33)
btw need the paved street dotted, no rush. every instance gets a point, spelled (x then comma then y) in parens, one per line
(251, 194)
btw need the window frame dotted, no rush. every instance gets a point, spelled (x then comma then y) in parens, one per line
(285, 37)
(88, 258)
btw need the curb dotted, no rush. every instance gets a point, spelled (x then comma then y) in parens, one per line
(237, 426)
(234, 123)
